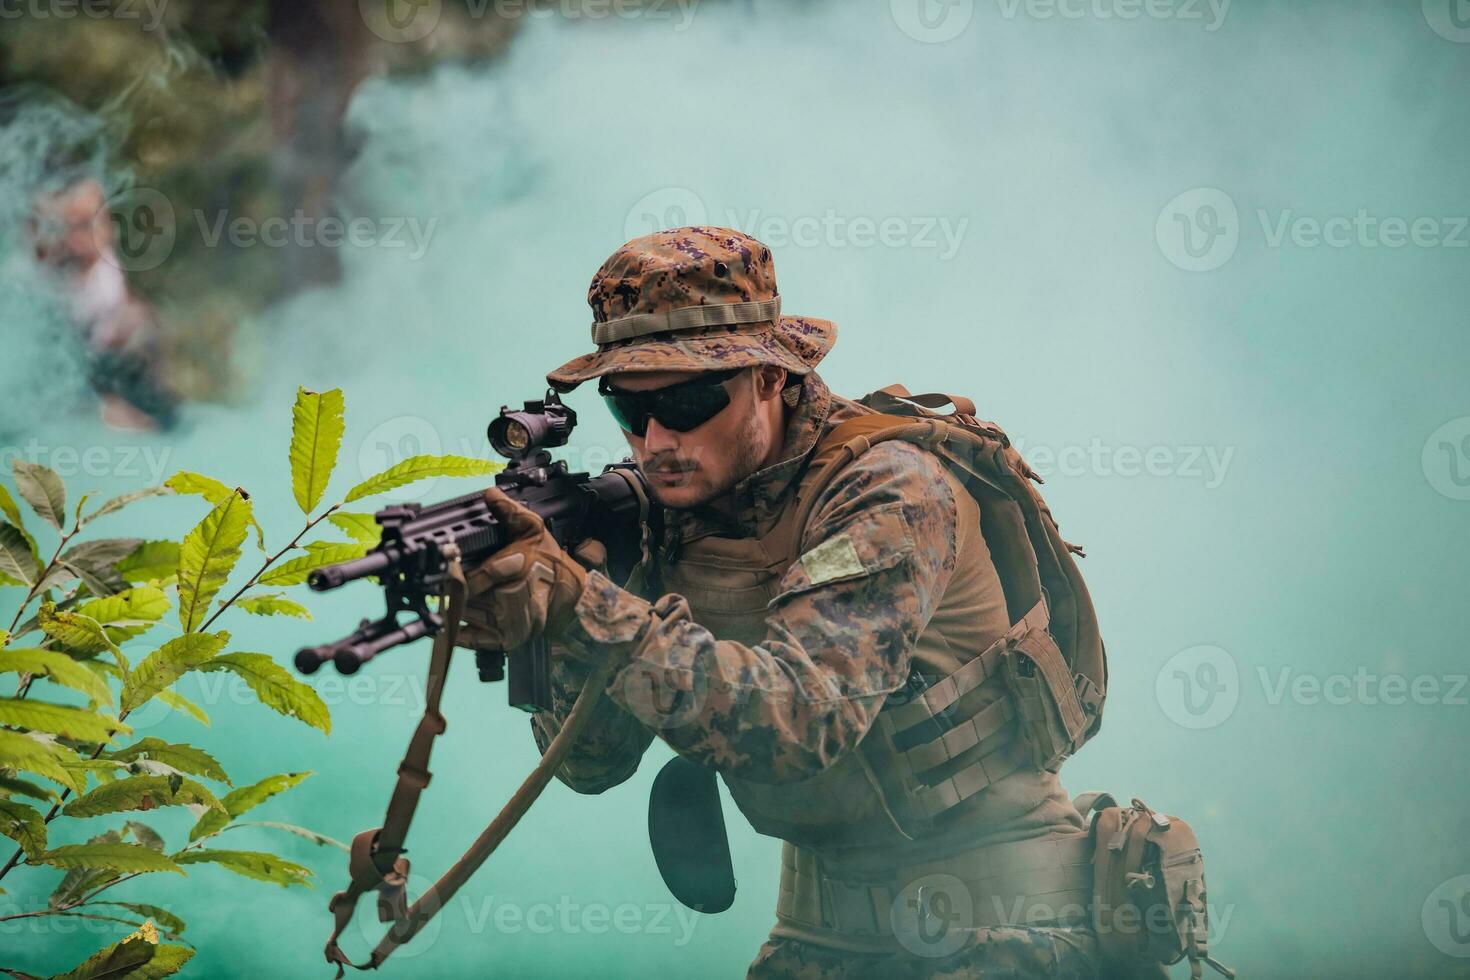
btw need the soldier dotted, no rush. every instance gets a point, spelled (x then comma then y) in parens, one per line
(803, 627)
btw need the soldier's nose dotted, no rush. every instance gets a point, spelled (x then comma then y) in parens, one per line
(659, 439)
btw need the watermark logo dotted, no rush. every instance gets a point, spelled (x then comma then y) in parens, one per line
(1450, 19)
(1199, 230)
(89, 9)
(1207, 464)
(393, 441)
(1198, 687)
(140, 232)
(1446, 459)
(932, 916)
(659, 697)
(1446, 917)
(932, 21)
(401, 21)
(674, 207)
(1185, 11)
(665, 208)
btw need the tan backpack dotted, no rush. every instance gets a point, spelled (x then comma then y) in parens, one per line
(1149, 902)
(1058, 675)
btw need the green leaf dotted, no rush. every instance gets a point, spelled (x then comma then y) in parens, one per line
(24, 825)
(31, 754)
(9, 509)
(185, 758)
(170, 922)
(143, 793)
(208, 555)
(80, 634)
(121, 960)
(316, 437)
(276, 688)
(153, 561)
(207, 487)
(168, 663)
(243, 799)
(421, 468)
(122, 500)
(42, 489)
(321, 840)
(16, 558)
(272, 604)
(78, 724)
(251, 864)
(319, 553)
(213, 491)
(168, 959)
(24, 787)
(178, 702)
(102, 552)
(55, 667)
(99, 581)
(122, 857)
(362, 528)
(128, 613)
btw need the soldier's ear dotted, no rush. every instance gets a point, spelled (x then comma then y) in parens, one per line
(768, 380)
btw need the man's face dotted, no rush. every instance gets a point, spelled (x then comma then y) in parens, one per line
(686, 469)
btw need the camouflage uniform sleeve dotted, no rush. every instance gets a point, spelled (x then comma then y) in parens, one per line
(877, 554)
(609, 748)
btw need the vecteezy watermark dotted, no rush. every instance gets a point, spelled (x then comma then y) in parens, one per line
(675, 207)
(406, 21)
(307, 231)
(1446, 917)
(932, 21)
(1200, 230)
(933, 915)
(485, 914)
(142, 229)
(125, 10)
(1364, 687)
(1210, 13)
(1206, 463)
(1446, 459)
(1450, 19)
(133, 462)
(1198, 687)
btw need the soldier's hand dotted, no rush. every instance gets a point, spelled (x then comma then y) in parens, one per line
(528, 587)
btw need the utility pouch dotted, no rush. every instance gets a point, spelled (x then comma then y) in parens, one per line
(1148, 888)
(1053, 724)
(686, 828)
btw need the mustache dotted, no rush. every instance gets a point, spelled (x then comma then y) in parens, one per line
(668, 465)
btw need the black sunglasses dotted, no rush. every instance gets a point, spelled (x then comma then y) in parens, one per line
(682, 407)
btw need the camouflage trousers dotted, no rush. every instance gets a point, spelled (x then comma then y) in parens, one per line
(1009, 953)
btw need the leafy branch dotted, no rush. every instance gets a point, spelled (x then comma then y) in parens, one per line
(90, 599)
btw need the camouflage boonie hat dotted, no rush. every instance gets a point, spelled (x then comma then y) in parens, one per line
(692, 299)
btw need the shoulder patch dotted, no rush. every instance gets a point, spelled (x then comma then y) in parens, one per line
(832, 559)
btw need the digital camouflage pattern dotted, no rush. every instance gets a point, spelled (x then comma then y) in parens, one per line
(690, 267)
(785, 708)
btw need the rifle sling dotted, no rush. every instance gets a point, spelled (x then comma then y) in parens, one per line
(376, 859)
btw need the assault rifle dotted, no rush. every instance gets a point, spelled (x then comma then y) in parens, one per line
(413, 557)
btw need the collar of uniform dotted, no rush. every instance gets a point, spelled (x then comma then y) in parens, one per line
(759, 497)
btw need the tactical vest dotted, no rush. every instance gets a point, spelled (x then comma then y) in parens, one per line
(964, 719)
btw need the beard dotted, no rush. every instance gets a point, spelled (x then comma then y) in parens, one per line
(745, 455)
